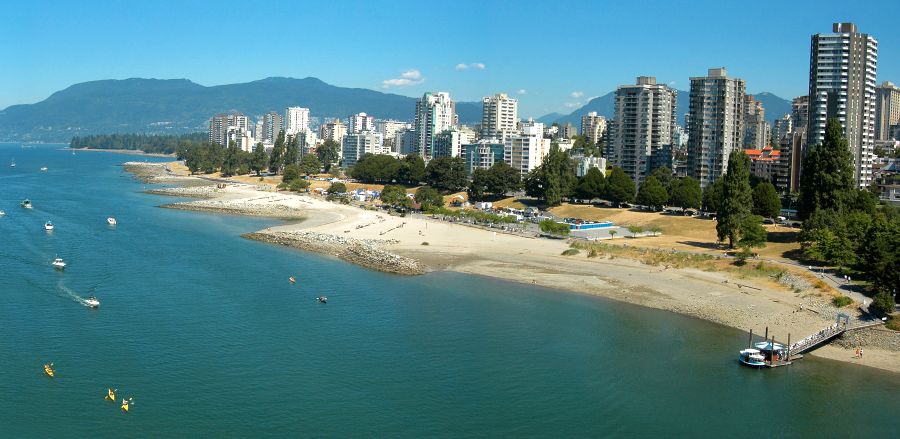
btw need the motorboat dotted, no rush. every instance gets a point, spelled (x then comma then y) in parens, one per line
(12, 164)
(752, 358)
(26, 203)
(322, 299)
(2, 213)
(48, 369)
(44, 169)
(48, 226)
(292, 279)
(59, 264)
(91, 302)
(111, 221)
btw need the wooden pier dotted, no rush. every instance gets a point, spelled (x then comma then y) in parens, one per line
(784, 354)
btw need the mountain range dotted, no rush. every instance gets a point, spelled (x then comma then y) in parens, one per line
(179, 106)
(605, 106)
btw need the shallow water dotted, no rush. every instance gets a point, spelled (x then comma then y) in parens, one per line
(204, 330)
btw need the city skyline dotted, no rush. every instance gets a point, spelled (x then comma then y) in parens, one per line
(470, 59)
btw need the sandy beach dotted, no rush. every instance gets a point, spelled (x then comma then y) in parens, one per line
(419, 244)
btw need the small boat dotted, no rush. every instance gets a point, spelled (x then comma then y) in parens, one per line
(2, 213)
(111, 221)
(91, 302)
(26, 203)
(752, 358)
(44, 169)
(126, 404)
(48, 226)
(48, 369)
(292, 279)
(59, 264)
(322, 299)
(13, 163)
(110, 394)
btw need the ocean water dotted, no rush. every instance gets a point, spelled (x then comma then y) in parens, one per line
(204, 331)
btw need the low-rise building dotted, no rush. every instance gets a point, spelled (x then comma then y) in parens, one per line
(585, 163)
(482, 154)
(764, 163)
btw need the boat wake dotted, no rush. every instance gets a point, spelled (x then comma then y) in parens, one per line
(73, 295)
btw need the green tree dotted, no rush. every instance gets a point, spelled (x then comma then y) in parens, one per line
(298, 185)
(502, 178)
(291, 173)
(883, 303)
(447, 174)
(292, 151)
(765, 200)
(276, 159)
(260, 159)
(429, 198)
(665, 177)
(619, 187)
(231, 161)
(310, 164)
(635, 230)
(559, 174)
(686, 193)
(329, 153)
(337, 188)
(412, 170)
(394, 195)
(752, 233)
(881, 254)
(713, 196)
(652, 193)
(827, 180)
(554, 228)
(592, 185)
(371, 168)
(478, 186)
(736, 198)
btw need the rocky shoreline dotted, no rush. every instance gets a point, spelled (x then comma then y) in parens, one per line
(362, 252)
(245, 209)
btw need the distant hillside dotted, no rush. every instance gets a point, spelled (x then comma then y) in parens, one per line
(180, 106)
(605, 106)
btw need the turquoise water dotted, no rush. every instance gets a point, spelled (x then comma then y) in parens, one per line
(204, 330)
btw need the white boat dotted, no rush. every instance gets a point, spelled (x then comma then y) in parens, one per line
(91, 302)
(752, 358)
(44, 169)
(26, 203)
(111, 221)
(2, 213)
(48, 226)
(12, 164)
(59, 263)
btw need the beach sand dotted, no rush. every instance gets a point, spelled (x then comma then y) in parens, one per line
(716, 296)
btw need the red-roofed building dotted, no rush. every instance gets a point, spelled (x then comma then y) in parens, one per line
(765, 163)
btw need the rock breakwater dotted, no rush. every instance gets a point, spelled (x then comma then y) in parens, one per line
(362, 252)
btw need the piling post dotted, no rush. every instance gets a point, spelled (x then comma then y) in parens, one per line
(750, 341)
(789, 347)
(766, 337)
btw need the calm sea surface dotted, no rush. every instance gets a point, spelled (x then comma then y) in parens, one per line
(204, 330)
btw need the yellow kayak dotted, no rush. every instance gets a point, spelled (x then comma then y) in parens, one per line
(110, 394)
(125, 406)
(48, 369)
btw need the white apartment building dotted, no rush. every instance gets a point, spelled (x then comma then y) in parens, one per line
(716, 124)
(272, 125)
(641, 140)
(593, 126)
(585, 163)
(887, 109)
(448, 143)
(842, 86)
(360, 122)
(756, 129)
(435, 112)
(405, 142)
(526, 149)
(355, 145)
(499, 115)
(221, 124)
(296, 119)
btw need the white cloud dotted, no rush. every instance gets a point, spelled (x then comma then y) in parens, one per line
(576, 94)
(572, 104)
(407, 78)
(522, 91)
(474, 65)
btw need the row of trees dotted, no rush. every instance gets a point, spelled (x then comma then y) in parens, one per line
(845, 226)
(497, 180)
(446, 174)
(150, 143)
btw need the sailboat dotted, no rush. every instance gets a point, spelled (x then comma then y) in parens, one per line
(12, 164)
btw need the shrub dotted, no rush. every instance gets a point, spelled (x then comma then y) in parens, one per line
(593, 253)
(554, 228)
(893, 323)
(841, 301)
(570, 252)
(337, 188)
(883, 304)
(291, 173)
(298, 185)
(424, 242)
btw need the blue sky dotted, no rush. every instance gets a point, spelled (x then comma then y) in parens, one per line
(553, 56)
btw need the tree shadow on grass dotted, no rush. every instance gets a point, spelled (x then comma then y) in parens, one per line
(703, 245)
(786, 237)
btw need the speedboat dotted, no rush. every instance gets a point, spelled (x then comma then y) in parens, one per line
(91, 302)
(59, 264)
(322, 299)
(752, 358)
(44, 169)
(292, 279)
(48, 369)
(13, 163)
(26, 203)
(111, 221)
(2, 213)
(48, 226)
